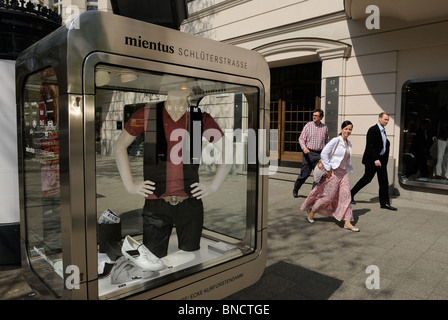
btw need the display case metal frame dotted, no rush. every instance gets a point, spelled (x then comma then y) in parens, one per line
(74, 51)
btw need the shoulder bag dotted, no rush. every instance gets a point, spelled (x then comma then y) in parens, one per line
(319, 170)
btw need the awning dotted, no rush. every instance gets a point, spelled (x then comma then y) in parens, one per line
(407, 10)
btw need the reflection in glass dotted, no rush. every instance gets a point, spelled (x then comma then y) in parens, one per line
(188, 137)
(425, 133)
(41, 178)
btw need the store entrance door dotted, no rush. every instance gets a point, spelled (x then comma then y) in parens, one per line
(295, 94)
(289, 119)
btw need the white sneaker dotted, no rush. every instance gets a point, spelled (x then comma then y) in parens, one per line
(140, 256)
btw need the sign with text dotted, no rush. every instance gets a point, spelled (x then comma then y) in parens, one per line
(332, 106)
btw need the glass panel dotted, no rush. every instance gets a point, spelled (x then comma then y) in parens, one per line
(41, 178)
(424, 154)
(175, 172)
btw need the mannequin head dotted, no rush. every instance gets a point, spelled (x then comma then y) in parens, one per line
(181, 94)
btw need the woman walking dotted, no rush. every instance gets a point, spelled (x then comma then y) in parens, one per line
(331, 197)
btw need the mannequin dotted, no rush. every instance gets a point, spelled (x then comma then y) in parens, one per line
(162, 212)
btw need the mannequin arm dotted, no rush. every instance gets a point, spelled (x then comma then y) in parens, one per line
(201, 190)
(122, 160)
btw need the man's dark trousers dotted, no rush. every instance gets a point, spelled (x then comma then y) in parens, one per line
(383, 182)
(309, 161)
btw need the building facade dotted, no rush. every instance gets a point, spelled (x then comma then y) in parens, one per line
(69, 8)
(354, 59)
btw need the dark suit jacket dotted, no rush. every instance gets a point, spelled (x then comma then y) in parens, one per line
(374, 145)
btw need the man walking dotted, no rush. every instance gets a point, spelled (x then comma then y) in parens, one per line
(375, 160)
(312, 140)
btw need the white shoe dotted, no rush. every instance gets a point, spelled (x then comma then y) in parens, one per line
(309, 220)
(352, 229)
(139, 255)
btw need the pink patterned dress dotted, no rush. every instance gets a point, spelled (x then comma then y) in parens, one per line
(331, 197)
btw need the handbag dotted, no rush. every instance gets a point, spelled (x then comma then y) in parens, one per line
(319, 170)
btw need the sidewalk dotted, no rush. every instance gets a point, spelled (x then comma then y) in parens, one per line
(13, 286)
(326, 262)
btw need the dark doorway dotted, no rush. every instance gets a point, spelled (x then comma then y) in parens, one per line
(295, 93)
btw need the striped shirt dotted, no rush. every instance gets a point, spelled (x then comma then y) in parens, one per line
(314, 137)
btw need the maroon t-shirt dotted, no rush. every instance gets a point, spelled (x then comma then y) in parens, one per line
(136, 126)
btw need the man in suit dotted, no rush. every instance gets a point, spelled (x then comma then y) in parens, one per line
(375, 160)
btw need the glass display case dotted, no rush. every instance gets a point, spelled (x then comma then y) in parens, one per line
(134, 107)
(41, 176)
(144, 162)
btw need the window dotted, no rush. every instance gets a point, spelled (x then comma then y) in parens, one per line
(173, 131)
(41, 178)
(424, 143)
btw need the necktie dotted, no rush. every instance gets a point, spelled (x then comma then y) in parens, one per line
(384, 142)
